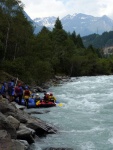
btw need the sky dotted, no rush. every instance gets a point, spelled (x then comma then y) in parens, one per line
(61, 8)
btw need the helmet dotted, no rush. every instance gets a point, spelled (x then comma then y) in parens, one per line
(32, 94)
(51, 94)
(48, 93)
(26, 87)
(19, 84)
(36, 94)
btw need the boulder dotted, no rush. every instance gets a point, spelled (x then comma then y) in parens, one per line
(41, 127)
(5, 125)
(18, 106)
(6, 143)
(18, 145)
(19, 115)
(23, 126)
(25, 133)
(13, 121)
(25, 143)
(5, 140)
(5, 106)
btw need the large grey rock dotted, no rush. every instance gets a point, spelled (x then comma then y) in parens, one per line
(5, 140)
(25, 143)
(18, 106)
(17, 145)
(5, 125)
(25, 133)
(5, 106)
(23, 126)
(13, 121)
(6, 143)
(41, 127)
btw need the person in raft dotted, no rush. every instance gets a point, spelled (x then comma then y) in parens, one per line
(46, 97)
(26, 95)
(52, 98)
(37, 98)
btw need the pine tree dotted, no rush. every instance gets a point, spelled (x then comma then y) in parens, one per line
(58, 24)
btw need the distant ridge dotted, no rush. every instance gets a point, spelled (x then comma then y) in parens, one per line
(80, 23)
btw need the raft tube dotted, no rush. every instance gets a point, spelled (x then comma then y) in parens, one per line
(31, 103)
(45, 104)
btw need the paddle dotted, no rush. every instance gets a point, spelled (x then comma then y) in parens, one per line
(59, 104)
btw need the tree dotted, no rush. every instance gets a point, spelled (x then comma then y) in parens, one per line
(58, 24)
(10, 9)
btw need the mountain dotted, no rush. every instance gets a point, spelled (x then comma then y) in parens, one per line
(99, 41)
(80, 23)
(47, 21)
(37, 28)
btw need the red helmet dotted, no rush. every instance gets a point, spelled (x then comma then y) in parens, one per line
(51, 94)
(19, 84)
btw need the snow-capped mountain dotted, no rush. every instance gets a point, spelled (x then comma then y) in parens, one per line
(80, 23)
(47, 21)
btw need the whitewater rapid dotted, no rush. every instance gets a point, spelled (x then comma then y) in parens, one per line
(85, 121)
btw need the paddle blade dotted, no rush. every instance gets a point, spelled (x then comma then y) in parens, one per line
(60, 104)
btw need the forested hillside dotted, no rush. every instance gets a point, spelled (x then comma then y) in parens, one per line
(99, 41)
(40, 57)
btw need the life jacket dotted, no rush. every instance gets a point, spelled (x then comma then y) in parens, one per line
(27, 92)
(10, 84)
(52, 98)
(18, 90)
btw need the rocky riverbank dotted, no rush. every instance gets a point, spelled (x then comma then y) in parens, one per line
(19, 129)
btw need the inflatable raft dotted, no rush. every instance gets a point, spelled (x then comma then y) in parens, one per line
(38, 104)
(45, 104)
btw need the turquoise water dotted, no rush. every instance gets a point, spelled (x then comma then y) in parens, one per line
(85, 121)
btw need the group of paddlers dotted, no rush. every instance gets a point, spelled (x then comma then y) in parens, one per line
(14, 90)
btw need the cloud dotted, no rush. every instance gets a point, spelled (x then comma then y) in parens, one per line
(60, 8)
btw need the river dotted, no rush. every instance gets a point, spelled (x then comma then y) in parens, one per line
(85, 120)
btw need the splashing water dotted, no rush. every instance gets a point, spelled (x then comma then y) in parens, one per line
(85, 121)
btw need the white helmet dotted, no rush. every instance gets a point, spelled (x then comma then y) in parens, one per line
(37, 94)
(48, 93)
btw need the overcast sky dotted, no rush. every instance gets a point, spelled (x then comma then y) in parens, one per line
(61, 8)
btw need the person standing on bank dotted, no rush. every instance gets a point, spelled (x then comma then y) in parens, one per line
(26, 94)
(11, 85)
(19, 92)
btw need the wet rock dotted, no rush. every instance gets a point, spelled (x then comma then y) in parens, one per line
(25, 143)
(26, 133)
(39, 112)
(40, 126)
